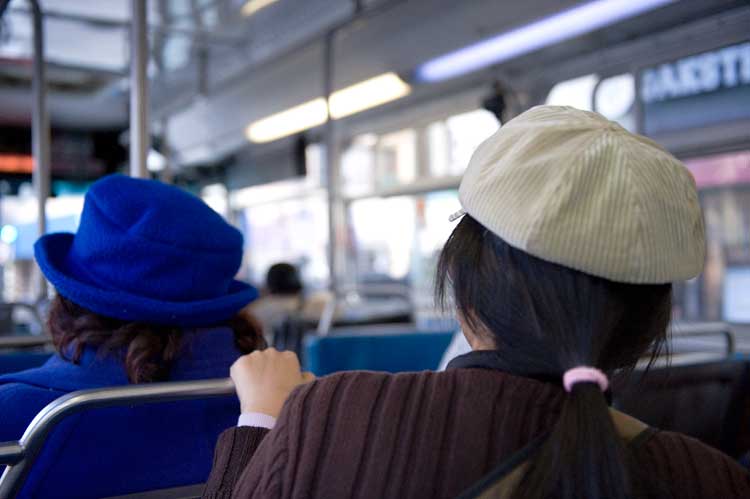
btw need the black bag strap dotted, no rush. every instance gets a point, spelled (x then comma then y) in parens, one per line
(504, 468)
(508, 466)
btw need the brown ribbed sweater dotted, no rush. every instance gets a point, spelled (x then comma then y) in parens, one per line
(425, 435)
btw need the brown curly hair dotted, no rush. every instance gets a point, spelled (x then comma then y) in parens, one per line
(148, 350)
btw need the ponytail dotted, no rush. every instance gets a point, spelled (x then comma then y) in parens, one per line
(583, 456)
(544, 319)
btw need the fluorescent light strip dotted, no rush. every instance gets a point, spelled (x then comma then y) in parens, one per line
(539, 34)
(345, 102)
(253, 6)
(290, 121)
(367, 94)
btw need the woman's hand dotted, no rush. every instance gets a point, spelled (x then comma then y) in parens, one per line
(265, 378)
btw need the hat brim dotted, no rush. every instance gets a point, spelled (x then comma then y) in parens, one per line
(51, 252)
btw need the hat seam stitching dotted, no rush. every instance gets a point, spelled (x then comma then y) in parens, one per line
(535, 227)
(637, 205)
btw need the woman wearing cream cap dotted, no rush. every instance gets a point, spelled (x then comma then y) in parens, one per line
(560, 269)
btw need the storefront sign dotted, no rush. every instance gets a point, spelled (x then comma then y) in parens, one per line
(720, 170)
(696, 91)
(725, 68)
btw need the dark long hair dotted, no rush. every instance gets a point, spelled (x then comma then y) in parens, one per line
(148, 350)
(544, 319)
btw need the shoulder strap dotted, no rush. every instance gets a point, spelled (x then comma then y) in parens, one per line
(636, 433)
(504, 470)
(503, 477)
(642, 438)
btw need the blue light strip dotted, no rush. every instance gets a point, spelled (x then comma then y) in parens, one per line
(538, 34)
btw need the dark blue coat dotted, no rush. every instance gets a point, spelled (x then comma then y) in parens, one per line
(115, 451)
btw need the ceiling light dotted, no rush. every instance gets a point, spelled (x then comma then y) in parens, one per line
(288, 122)
(542, 33)
(253, 6)
(345, 102)
(367, 94)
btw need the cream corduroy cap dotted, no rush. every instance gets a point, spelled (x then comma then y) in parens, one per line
(573, 188)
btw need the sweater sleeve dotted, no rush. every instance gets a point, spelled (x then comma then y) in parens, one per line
(234, 449)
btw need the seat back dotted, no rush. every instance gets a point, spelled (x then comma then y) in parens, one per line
(123, 444)
(705, 401)
(411, 351)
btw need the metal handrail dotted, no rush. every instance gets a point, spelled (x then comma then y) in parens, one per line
(699, 327)
(692, 330)
(24, 341)
(326, 317)
(10, 452)
(21, 455)
(33, 308)
(40, 129)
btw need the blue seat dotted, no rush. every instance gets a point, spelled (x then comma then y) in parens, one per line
(91, 443)
(187, 432)
(410, 351)
(109, 451)
(20, 361)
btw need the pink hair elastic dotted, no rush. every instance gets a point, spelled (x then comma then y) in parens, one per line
(585, 374)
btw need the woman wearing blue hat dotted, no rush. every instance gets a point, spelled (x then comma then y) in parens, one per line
(145, 292)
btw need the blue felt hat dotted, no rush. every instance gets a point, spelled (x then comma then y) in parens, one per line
(149, 252)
